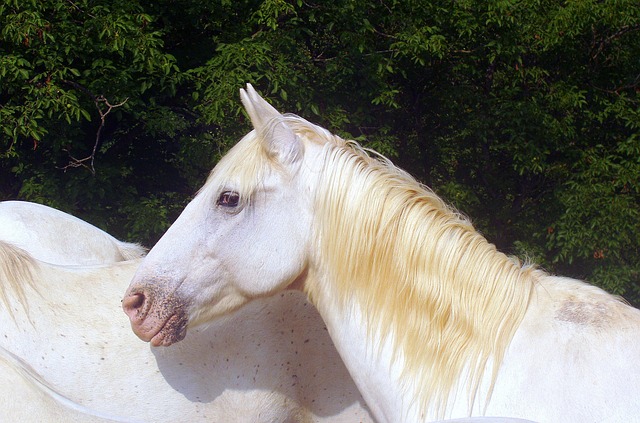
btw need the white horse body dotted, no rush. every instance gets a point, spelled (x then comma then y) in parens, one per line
(573, 359)
(431, 321)
(273, 362)
(59, 238)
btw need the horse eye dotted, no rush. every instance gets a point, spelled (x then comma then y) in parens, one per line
(229, 199)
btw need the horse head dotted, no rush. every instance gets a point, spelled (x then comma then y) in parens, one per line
(244, 235)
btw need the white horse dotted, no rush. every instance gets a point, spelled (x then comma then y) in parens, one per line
(431, 321)
(67, 354)
(59, 238)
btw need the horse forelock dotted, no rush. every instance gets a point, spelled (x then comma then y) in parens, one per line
(418, 270)
(17, 268)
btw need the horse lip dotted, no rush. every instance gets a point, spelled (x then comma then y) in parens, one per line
(173, 330)
(169, 331)
(160, 318)
(144, 332)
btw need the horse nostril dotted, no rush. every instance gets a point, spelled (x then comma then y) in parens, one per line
(132, 304)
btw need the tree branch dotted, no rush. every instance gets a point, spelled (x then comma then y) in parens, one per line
(100, 102)
(606, 41)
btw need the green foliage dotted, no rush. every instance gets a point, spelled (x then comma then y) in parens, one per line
(64, 64)
(58, 56)
(525, 114)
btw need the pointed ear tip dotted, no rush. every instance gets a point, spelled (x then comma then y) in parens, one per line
(247, 89)
(244, 98)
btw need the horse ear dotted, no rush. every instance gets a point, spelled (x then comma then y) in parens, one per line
(280, 141)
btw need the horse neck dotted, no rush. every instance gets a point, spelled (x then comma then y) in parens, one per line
(430, 295)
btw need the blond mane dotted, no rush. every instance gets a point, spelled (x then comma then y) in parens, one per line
(17, 268)
(418, 270)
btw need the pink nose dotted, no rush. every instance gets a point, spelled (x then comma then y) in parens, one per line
(134, 307)
(132, 303)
